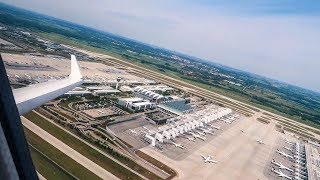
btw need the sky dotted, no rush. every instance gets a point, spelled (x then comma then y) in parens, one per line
(279, 39)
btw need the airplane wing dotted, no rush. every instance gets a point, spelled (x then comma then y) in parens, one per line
(212, 161)
(203, 156)
(30, 97)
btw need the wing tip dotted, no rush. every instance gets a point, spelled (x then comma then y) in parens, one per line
(75, 69)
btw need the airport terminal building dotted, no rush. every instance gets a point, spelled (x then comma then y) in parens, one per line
(136, 104)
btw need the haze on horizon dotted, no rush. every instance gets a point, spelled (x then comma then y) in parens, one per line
(278, 39)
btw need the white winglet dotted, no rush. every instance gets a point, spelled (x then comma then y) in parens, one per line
(75, 69)
(30, 97)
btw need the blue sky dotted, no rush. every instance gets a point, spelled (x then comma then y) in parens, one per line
(279, 39)
(255, 7)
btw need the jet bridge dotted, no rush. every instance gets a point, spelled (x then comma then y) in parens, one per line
(187, 123)
(159, 137)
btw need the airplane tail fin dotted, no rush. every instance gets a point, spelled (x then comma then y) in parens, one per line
(75, 69)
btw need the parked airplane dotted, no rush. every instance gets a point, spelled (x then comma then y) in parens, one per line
(27, 76)
(207, 132)
(284, 154)
(133, 131)
(198, 136)
(178, 145)
(281, 166)
(101, 112)
(210, 129)
(227, 121)
(288, 142)
(200, 133)
(281, 174)
(289, 149)
(260, 141)
(208, 159)
(242, 130)
(216, 127)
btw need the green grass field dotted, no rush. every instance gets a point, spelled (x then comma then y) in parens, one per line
(125, 160)
(48, 161)
(47, 168)
(82, 148)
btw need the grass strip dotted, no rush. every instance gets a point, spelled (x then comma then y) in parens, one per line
(123, 159)
(52, 163)
(82, 148)
(158, 164)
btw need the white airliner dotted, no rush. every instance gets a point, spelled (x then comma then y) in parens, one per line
(133, 131)
(200, 133)
(101, 112)
(192, 139)
(281, 174)
(288, 142)
(287, 148)
(27, 76)
(226, 121)
(207, 132)
(198, 136)
(210, 129)
(178, 145)
(284, 154)
(208, 159)
(216, 127)
(30, 97)
(260, 141)
(281, 166)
